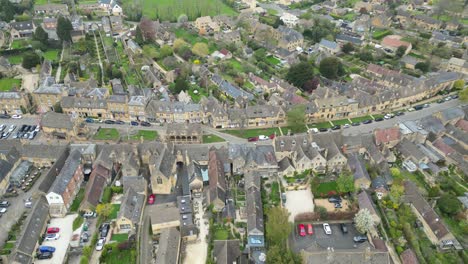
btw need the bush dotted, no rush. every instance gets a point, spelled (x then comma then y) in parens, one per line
(107, 195)
(117, 189)
(77, 222)
(84, 260)
(124, 245)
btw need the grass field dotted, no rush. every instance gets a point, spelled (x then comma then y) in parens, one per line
(146, 134)
(107, 134)
(221, 234)
(119, 237)
(52, 55)
(246, 133)
(20, 43)
(40, 2)
(212, 139)
(171, 10)
(196, 96)
(115, 211)
(15, 59)
(272, 60)
(340, 122)
(321, 125)
(7, 84)
(76, 203)
(326, 187)
(381, 33)
(360, 119)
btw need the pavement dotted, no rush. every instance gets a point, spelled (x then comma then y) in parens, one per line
(61, 245)
(320, 241)
(196, 253)
(297, 202)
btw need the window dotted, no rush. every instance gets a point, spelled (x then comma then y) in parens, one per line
(159, 180)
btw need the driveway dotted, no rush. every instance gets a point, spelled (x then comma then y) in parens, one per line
(320, 241)
(61, 245)
(297, 202)
(195, 253)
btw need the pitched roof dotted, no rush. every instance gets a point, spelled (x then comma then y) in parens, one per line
(365, 201)
(409, 257)
(394, 41)
(169, 246)
(386, 135)
(328, 44)
(132, 205)
(226, 251)
(56, 120)
(99, 177)
(163, 213)
(66, 174)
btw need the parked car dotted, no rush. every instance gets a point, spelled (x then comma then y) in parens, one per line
(134, 123)
(4, 204)
(359, 239)
(12, 128)
(448, 98)
(44, 255)
(89, 214)
(100, 244)
(53, 230)
(28, 204)
(54, 236)
(378, 119)
(335, 199)
(313, 130)
(3, 210)
(336, 127)
(323, 129)
(145, 124)
(367, 121)
(89, 120)
(411, 109)
(4, 116)
(440, 101)
(344, 228)
(16, 116)
(355, 124)
(418, 107)
(252, 139)
(346, 126)
(426, 105)
(104, 229)
(109, 122)
(327, 229)
(338, 205)
(310, 229)
(263, 138)
(151, 199)
(301, 230)
(455, 96)
(400, 113)
(119, 122)
(43, 249)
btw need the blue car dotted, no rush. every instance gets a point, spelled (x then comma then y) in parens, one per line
(43, 249)
(89, 120)
(134, 123)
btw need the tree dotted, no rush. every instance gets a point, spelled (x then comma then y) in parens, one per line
(139, 36)
(331, 68)
(40, 35)
(178, 43)
(363, 221)
(299, 74)
(459, 84)
(165, 51)
(464, 95)
(296, 118)
(366, 56)
(396, 191)
(400, 51)
(422, 66)
(345, 182)
(200, 49)
(277, 226)
(322, 211)
(104, 209)
(348, 47)
(150, 51)
(147, 29)
(7, 10)
(449, 204)
(64, 28)
(182, 18)
(322, 29)
(180, 85)
(278, 254)
(311, 85)
(30, 60)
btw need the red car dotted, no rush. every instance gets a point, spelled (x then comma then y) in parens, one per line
(151, 199)
(302, 231)
(310, 229)
(53, 230)
(252, 139)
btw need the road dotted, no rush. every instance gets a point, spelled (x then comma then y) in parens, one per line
(415, 115)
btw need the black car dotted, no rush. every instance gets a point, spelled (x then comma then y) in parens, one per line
(23, 127)
(355, 124)
(104, 229)
(399, 113)
(32, 128)
(119, 122)
(360, 239)
(336, 127)
(109, 122)
(145, 124)
(418, 107)
(5, 116)
(378, 119)
(455, 96)
(334, 199)
(344, 228)
(323, 129)
(368, 121)
(45, 255)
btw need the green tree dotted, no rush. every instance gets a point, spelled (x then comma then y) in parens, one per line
(449, 204)
(7, 10)
(459, 84)
(139, 36)
(322, 29)
(41, 36)
(296, 118)
(178, 43)
(104, 210)
(396, 191)
(30, 60)
(64, 28)
(422, 66)
(363, 221)
(200, 49)
(366, 56)
(277, 226)
(331, 68)
(400, 51)
(348, 47)
(150, 51)
(322, 211)
(464, 95)
(180, 85)
(300, 73)
(277, 254)
(165, 51)
(345, 182)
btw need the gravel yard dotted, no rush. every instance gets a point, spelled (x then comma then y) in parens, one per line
(297, 202)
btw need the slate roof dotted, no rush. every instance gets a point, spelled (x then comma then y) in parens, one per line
(409, 150)
(255, 222)
(132, 206)
(56, 120)
(23, 25)
(226, 251)
(137, 183)
(348, 38)
(11, 156)
(81, 102)
(409, 257)
(163, 213)
(328, 44)
(365, 201)
(10, 95)
(100, 176)
(66, 174)
(169, 246)
(230, 89)
(284, 164)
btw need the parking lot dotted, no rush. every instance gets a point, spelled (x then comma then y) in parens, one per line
(300, 201)
(16, 128)
(61, 245)
(319, 240)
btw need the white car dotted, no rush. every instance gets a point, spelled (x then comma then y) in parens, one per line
(263, 138)
(100, 244)
(89, 214)
(346, 126)
(50, 237)
(327, 229)
(3, 210)
(16, 116)
(12, 128)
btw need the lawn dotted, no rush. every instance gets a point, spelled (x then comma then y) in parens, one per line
(220, 234)
(171, 10)
(360, 119)
(285, 130)
(321, 125)
(236, 65)
(76, 203)
(107, 134)
(77, 222)
(212, 139)
(9, 245)
(119, 237)
(378, 116)
(196, 96)
(52, 55)
(7, 84)
(15, 59)
(117, 256)
(115, 211)
(19, 44)
(146, 134)
(272, 60)
(41, 2)
(349, 16)
(246, 133)
(340, 122)
(325, 188)
(381, 33)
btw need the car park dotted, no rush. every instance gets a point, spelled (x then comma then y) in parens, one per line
(43, 249)
(344, 228)
(368, 121)
(359, 239)
(54, 236)
(327, 229)
(310, 229)
(301, 230)
(44, 255)
(52, 230)
(100, 244)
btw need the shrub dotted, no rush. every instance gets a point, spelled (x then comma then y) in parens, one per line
(117, 189)
(107, 195)
(123, 245)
